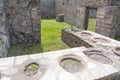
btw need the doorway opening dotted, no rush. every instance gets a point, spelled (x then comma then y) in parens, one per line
(90, 19)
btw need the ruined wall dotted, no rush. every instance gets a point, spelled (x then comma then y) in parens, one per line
(51, 8)
(24, 20)
(3, 18)
(48, 9)
(4, 33)
(73, 13)
(107, 15)
(59, 7)
(118, 18)
(93, 13)
(19, 23)
(107, 21)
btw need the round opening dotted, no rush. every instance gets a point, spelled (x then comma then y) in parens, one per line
(100, 58)
(97, 55)
(31, 69)
(86, 34)
(100, 40)
(116, 50)
(71, 63)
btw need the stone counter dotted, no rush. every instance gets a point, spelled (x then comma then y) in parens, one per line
(105, 45)
(13, 68)
(87, 39)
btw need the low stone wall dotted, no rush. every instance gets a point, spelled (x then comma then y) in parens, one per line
(88, 39)
(72, 40)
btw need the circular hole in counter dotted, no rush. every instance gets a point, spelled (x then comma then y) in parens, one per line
(86, 34)
(101, 40)
(116, 50)
(101, 58)
(71, 63)
(97, 55)
(31, 69)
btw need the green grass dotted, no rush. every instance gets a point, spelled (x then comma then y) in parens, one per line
(50, 36)
(92, 24)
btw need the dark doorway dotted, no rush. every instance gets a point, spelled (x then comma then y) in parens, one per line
(90, 19)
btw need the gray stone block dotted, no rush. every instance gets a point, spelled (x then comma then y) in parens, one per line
(60, 18)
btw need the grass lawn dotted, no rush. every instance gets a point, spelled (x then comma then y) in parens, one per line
(92, 24)
(50, 36)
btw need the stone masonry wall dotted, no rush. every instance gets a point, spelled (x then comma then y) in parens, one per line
(59, 7)
(107, 15)
(24, 20)
(52, 8)
(118, 18)
(48, 9)
(4, 33)
(73, 13)
(71, 40)
(93, 13)
(107, 21)
(3, 19)
(19, 23)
